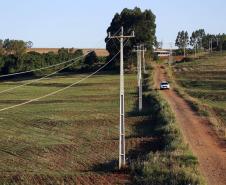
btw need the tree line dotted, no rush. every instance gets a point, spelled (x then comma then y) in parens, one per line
(14, 58)
(199, 40)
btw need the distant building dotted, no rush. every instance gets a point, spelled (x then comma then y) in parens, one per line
(162, 53)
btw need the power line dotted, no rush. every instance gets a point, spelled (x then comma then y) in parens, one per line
(47, 67)
(24, 72)
(122, 156)
(30, 82)
(60, 90)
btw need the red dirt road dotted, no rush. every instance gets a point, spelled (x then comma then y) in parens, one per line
(198, 134)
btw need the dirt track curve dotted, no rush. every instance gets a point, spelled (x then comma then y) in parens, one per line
(198, 134)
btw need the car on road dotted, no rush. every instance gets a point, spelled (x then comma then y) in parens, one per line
(164, 85)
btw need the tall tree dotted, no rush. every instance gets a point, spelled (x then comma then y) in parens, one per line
(143, 23)
(29, 44)
(197, 37)
(182, 41)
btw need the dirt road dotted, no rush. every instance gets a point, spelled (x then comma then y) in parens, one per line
(198, 134)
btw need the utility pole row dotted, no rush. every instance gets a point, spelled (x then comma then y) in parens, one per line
(122, 152)
(139, 50)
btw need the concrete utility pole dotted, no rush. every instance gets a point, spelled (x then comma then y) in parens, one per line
(195, 49)
(139, 51)
(138, 64)
(144, 62)
(171, 53)
(122, 149)
(211, 45)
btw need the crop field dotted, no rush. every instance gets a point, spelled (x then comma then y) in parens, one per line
(71, 137)
(205, 80)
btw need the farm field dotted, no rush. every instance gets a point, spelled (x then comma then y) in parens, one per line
(71, 137)
(205, 80)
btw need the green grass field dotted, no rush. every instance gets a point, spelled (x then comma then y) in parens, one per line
(205, 80)
(71, 135)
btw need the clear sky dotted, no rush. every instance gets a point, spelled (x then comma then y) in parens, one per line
(83, 23)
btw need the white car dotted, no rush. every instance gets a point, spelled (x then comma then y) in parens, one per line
(164, 85)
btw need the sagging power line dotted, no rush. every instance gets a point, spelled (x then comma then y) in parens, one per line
(34, 70)
(51, 66)
(36, 99)
(44, 77)
(60, 90)
(74, 60)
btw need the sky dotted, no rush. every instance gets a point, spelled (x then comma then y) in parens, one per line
(83, 23)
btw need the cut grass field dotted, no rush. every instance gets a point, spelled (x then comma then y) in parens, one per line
(204, 80)
(68, 137)
(72, 137)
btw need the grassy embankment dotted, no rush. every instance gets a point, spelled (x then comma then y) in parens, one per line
(171, 162)
(202, 82)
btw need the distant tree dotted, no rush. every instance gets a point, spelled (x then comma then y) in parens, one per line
(10, 64)
(71, 50)
(29, 44)
(78, 52)
(143, 23)
(90, 60)
(63, 54)
(197, 38)
(7, 45)
(50, 58)
(32, 60)
(157, 44)
(222, 41)
(78, 55)
(18, 47)
(208, 39)
(2, 63)
(182, 41)
(1, 48)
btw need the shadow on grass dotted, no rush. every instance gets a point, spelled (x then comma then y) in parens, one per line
(145, 135)
(110, 166)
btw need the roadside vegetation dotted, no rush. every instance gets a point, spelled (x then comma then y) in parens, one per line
(202, 82)
(169, 161)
